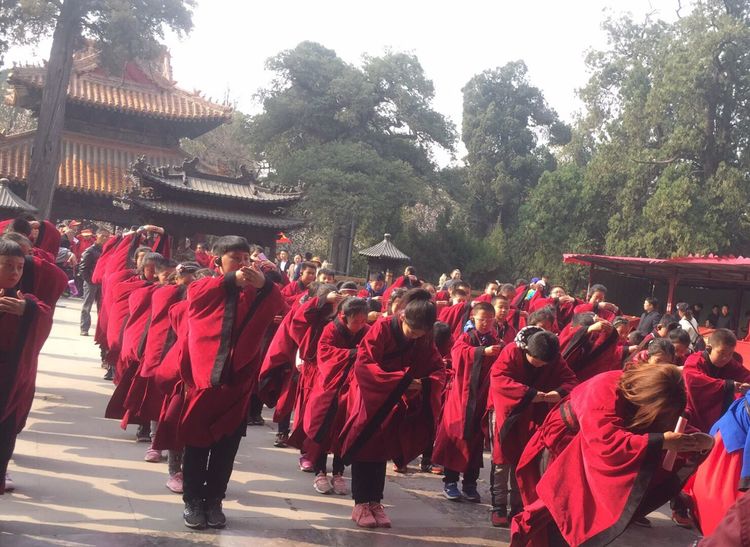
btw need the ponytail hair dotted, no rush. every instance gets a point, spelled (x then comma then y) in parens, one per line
(419, 310)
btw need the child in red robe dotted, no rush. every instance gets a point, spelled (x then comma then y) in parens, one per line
(226, 319)
(713, 378)
(504, 331)
(25, 323)
(293, 291)
(595, 303)
(528, 376)
(459, 442)
(680, 339)
(325, 412)
(562, 305)
(607, 442)
(591, 346)
(394, 401)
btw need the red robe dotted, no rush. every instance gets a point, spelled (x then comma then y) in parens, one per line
(459, 441)
(589, 354)
(44, 280)
(119, 312)
(225, 330)
(513, 385)
(292, 291)
(456, 317)
(563, 310)
(21, 340)
(133, 341)
(384, 420)
(48, 238)
(600, 312)
(710, 389)
(604, 477)
(400, 282)
(102, 323)
(97, 276)
(308, 323)
(204, 259)
(325, 413)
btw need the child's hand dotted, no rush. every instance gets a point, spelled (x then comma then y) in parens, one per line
(492, 351)
(741, 387)
(11, 304)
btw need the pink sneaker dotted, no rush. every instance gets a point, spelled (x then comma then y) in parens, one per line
(363, 517)
(339, 485)
(153, 456)
(322, 485)
(175, 483)
(378, 511)
(306, 465)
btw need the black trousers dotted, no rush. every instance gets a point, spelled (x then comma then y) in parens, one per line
(285, 424)
(321, 466)
(470, 476)
(7, 444)
(206, 470)
(368, 481)
(256, 406)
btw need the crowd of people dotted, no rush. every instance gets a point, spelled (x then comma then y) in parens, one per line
(592, 418)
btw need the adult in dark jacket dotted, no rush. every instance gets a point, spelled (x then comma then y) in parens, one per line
(91, 291)
(651, 315)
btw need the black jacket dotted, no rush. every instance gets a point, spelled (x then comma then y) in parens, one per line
(649, 321)
(89, 258)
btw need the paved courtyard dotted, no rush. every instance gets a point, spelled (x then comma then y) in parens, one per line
(81, 480)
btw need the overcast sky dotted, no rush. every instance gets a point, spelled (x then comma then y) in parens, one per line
(453, 40)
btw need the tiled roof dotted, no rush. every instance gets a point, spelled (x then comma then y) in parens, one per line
(96, 89)
(88, 164)
(10, 201)
(220, 215)
(189, 179)
(385, 250)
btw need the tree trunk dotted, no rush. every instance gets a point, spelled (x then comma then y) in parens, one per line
(45, 156)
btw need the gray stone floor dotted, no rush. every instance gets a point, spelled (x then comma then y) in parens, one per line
(82, 481)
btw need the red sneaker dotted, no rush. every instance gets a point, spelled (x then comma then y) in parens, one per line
(499, 518)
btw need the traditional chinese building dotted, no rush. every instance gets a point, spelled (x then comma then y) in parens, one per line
(121, 157)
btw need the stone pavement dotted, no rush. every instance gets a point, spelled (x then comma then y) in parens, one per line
(82, 481)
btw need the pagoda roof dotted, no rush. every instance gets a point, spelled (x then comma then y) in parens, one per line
(143, 89)
(187, 178)
(87, 164)
(10, 201)
(216, 214)
(385, 250)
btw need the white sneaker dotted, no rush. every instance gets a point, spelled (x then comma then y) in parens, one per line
(9, 485)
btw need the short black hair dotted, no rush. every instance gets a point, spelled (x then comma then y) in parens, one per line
(483, 306)
(396, 293)
(635, 338)
(661, 345)
(227, 244)
(584, 319)
(348, 286)
(377, 276)
(19, 225)
(669, 322)
(19, 238)
(162, 264)
(354, 306)
(543, 345)
(307, 266)
(10, 248)
(326, 271)
(679, 336)
(722, 337)
(410, 270)
(653, 301)
(441, 333)
(596, 287)
(542, 315)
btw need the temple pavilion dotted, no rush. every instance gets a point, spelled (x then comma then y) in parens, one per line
(121, 157)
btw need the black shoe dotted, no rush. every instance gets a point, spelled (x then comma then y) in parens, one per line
(214, 515)
(281, 439)
(194, 516)
(110, 375)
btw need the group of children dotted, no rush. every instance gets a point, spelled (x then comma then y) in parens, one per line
(577, 413)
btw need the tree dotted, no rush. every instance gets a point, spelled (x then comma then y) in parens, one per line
(503, 117)
(123, 29)
(12, 119)
(359, 138)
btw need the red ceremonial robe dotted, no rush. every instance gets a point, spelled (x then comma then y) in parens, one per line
(710, 389)
(505, 333)
(44, 280)
(456, 317)
(600, 312)
(459, 441)
(161, 336)
(133, 341)
(102, 323)
(97, 276)
(278, 377)
(48, 238)
(225, 331)
(563, 310)
(325, 413)
(118, 314)
(591, 353)
(384, 420)
(21, 340)
(292, 291)
(309, 320)
(513, 385)
(400, 282)
(605, 475)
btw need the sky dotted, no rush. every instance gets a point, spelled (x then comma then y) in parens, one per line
(231, 40)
